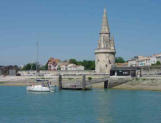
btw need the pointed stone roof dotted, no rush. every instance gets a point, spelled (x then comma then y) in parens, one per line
(105, 26)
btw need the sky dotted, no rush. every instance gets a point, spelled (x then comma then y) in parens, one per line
(70, 28)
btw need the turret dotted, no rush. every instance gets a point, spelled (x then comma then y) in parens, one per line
(105, 53)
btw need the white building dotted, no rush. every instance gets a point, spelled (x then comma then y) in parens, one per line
(137, 61)
(75, 67)
(53, 63)
(67, 66)
(158, 57)
(132, 63)
(62, 65)
(153, 60)
(144, 61)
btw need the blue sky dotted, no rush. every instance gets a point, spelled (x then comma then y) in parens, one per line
(70, 28)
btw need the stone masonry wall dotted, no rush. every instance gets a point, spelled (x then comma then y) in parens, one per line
(151, 71)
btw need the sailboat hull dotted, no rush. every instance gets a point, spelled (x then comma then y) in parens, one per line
(38, 88)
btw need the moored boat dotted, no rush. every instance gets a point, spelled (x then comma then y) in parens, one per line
(40, 85)
(38, 88)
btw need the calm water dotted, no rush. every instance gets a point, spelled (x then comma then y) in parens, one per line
(96, 106)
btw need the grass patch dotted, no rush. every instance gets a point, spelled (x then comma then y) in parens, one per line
(137, 79)
(89, 78)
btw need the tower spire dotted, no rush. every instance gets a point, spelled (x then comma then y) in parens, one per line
(105, 53)
(105, 26)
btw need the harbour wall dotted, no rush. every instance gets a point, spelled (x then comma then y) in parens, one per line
(65, 72)
(142, 83)
(145, 71)
(118, 80)
(151, 71)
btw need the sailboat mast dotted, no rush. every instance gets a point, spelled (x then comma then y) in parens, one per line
(37, 57)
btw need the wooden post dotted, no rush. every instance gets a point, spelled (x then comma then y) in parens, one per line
(84, 82)
(140, 72)
(106, 84)
(60, 82)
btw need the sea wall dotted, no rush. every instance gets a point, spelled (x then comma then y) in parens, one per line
(113, 81)
(142, 83)
(151, 71)
(118, 80)
(71, 75)
(46, 72)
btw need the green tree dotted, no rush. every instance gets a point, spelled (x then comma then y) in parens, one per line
(119, 60)
(59, 68)
(73, 61)
(33, 66)
(29, 66)
(88, 64)
(158, 63)
(44, 67)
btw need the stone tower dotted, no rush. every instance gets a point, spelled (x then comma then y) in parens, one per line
(105, 52)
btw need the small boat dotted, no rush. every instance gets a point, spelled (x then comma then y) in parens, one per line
(44, 86)
(38, 88)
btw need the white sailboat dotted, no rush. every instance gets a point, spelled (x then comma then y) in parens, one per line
(38, 88)
(43, 85)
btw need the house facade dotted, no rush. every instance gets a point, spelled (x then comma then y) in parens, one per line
(132, 63)
(75, 67)
(144, 61)
(56, 64)
(71, 67)
(53, 63)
